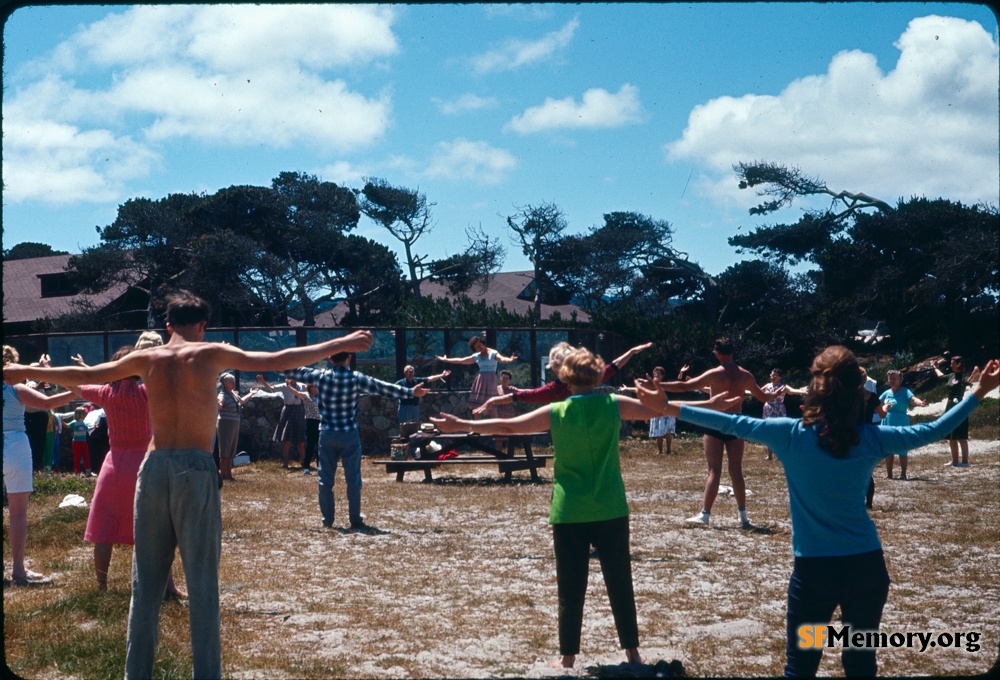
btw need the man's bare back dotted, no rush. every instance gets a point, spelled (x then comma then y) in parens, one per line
(732, 379)
(727, 377)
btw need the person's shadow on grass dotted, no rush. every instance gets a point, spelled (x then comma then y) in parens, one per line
(660, 669)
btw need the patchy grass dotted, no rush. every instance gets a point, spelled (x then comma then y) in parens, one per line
(459, 579)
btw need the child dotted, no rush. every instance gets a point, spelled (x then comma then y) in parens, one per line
(503, 389)
(662, 428)
(81, 450)
(504, 410)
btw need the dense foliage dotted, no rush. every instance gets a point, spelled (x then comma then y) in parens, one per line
(924, 272)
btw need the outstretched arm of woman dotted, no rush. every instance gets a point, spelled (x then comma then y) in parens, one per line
(246, 397)
(35, 399)
(492, 402)
(536, 421)
(456, 360)
(624, 358)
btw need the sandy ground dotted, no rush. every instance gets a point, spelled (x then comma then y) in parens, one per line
(458, 581)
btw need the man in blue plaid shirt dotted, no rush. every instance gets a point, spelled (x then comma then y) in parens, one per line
(338, 390)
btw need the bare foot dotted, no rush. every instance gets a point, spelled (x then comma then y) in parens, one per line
(632, 656)
(175, 593)
(563, 662)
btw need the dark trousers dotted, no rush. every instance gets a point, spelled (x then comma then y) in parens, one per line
(859, 584)
(312, 442)
(572, 549)
(35, 425)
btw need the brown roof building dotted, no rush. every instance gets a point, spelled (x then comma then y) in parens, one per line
(38, 288)
(516, 290)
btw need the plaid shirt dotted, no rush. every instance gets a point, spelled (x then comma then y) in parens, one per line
(338, 391)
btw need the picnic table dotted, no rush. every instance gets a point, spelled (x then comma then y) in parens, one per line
(507, 460)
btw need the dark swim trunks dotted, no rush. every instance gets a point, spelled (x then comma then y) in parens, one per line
(713, 433)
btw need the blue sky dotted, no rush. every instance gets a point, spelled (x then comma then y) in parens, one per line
(487, 108)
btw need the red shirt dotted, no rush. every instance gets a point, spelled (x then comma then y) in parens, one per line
(555, 390)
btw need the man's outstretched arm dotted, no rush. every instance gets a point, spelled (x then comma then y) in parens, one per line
(293, 357)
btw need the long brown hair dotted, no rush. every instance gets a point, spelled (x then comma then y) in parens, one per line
(835, 400)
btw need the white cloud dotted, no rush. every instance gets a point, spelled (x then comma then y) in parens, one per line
(61, 164)
(598, 109)
(233, 38)
(221, 74)
(466, 160)
(517, 53)
(343, 173)
(464, 103)
(927, 127)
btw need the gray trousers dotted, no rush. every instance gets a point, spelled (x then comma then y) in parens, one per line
(176, 506)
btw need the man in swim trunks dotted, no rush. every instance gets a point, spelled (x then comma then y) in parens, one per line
(177, 494)
(726, 377)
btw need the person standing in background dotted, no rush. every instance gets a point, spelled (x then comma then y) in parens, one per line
(728, 378)
(292, 421)
(957, 383)
(775, 406)
(409, 407)
(17, 470)
(484, 385)
(81, 449)
(894, 403)
(340, 440)
(313, 420)
(230, 409)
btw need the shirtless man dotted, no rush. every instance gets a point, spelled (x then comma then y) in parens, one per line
(177, 494)
(727, 377)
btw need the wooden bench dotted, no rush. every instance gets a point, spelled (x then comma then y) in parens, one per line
(506, 465)
(427, 445)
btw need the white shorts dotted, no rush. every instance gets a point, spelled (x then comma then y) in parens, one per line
(17, 463)
(664, 425)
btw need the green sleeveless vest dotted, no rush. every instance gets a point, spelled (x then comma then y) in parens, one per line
(587, 481)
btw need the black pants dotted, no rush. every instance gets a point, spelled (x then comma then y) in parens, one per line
(312, 442)
(859, 584)
(572, 549)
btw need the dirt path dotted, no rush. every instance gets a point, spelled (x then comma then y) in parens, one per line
(459, 579)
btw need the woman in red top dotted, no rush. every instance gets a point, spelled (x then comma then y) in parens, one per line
(111, 511)
(555, 390)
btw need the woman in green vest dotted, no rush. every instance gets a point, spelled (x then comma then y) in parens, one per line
(588, 494)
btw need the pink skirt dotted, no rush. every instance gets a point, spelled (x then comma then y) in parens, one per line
(484, 386)
(111, 511)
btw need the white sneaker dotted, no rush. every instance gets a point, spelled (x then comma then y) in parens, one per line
(701, 518)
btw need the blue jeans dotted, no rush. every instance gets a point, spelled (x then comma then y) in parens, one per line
(858, 583)
(345, 447)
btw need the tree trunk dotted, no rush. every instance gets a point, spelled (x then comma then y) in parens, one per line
(537, 317)
(414, 281)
